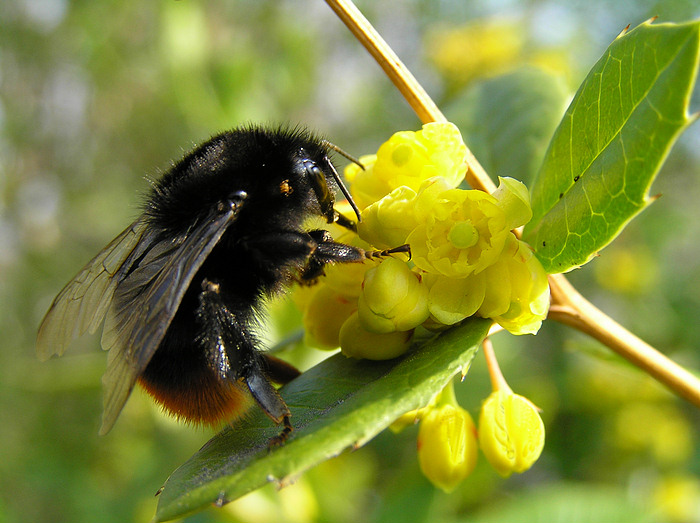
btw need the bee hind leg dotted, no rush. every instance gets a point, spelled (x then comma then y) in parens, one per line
(233, 356)
(271, 403)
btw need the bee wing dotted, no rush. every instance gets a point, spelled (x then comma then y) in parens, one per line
(83, 302)
(145, 303)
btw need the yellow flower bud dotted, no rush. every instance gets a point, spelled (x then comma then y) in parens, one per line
(447, 446)
(388, 222)
(511, 432)
(358, 342)
(393, 298)
(514, 198)
(325, 312)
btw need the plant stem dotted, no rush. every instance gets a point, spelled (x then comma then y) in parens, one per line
(405, 82)
(498, 381)
(572, 309)
(568, 306)
(397, 72)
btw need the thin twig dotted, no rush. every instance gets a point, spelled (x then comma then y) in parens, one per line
(498, 381)
(405, 82)
(572, 309)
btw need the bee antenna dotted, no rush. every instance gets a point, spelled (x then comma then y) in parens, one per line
(336, 176)
(344, 190)
(343, 153)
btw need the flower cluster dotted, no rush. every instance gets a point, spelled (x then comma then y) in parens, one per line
(465, 259)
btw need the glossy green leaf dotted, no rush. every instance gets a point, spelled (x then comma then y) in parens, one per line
(612, 141)
(338, 404)
(508, 120)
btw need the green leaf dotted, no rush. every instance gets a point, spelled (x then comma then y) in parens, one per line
(611, 143)
(338, 404)
(508, 120)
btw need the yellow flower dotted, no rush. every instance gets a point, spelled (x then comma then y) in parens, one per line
(511, 432)
(447, 446)
(407, 159)
(517, 290)
(513, 291)
(459, 232)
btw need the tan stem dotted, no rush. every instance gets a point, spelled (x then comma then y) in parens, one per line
(405, 82)
(572, 309)
(498, 381)
(397, 72)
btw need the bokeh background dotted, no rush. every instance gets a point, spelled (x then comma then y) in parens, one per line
(97, 96)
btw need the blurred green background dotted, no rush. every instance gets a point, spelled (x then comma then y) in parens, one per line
(97, 96)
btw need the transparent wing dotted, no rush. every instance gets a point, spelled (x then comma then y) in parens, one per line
(145, 303)
(83, 302)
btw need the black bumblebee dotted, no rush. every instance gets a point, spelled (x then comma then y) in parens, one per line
(180, 289)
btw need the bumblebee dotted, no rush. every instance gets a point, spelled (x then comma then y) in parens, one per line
(182, 288)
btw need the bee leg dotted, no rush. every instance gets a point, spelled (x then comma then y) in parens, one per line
(279, 371)
(405, 248)
(271, 403)
(234, 356)
(328, 251)
(341, 220)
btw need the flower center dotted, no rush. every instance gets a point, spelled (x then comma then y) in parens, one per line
(463, 235)
(401, 155)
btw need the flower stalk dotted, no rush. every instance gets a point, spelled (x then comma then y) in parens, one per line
(498, 381)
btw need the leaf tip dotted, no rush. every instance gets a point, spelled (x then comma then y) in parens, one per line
(623, 32)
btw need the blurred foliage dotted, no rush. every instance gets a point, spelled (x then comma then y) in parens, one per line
(95, 96)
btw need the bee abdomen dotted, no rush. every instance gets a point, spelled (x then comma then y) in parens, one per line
(203, 399)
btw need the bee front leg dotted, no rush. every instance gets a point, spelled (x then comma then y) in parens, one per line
(328, 251)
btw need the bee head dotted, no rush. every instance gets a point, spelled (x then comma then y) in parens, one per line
(319, 181)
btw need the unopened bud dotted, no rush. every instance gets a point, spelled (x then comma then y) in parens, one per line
(358, 342)
(511, 432)
(393, 298)
(447, 446)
